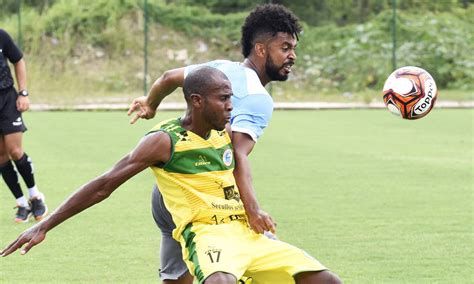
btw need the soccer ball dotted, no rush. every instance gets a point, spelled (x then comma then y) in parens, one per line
(410, 92)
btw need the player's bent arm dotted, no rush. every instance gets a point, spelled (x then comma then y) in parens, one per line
(259, 220)
(145, 106)
(153, 149)
(165, 85)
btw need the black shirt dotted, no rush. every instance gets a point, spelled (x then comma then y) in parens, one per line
(8, 50)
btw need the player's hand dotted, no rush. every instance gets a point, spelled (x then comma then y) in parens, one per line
(141, 108)
(22, 103)
(30, 237)
(261, 221)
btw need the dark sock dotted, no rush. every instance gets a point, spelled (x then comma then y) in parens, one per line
(25, 167)
(11, 178)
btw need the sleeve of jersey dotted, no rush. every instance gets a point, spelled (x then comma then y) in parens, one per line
(252, 115)
(12, 52)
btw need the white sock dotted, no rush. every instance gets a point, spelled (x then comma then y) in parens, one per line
(22, 201)
(34, 192)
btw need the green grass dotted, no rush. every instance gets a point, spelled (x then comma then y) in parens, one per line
(375, 198)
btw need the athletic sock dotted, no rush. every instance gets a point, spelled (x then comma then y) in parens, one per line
(22, 201)
(25, 167)
(10, 177)
(34, 192)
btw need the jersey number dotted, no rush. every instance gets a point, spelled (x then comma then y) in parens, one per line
(214, 256)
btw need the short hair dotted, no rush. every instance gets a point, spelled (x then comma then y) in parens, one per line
(267, 19)
(201, 80)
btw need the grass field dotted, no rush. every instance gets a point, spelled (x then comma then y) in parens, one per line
(375, 198)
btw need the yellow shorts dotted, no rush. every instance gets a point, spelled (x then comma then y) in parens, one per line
(235, 249)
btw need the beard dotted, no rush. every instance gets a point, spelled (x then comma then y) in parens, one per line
(273, 71)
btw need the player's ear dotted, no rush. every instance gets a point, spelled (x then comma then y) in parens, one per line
(260, 49)
(196, 100)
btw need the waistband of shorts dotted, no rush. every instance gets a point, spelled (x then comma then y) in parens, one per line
(6, 90)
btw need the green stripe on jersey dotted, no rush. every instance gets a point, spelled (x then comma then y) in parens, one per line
(199, 161)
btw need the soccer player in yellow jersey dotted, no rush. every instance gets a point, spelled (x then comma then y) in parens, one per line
(192, 159)
(269, 39)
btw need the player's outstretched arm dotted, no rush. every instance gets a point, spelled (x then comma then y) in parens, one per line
(259, 220)
(152, 149)
(145, 107)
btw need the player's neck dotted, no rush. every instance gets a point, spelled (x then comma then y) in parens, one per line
(190, 124)
(260, 70)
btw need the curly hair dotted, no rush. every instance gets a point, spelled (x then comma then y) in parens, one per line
(267, 19)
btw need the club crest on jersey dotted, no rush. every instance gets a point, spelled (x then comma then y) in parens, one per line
(227, 157)
(231, 193)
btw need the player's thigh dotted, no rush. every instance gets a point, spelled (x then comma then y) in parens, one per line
(277, 262)
(326, 277)
(216, 248)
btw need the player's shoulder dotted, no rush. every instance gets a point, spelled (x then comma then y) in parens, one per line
(4, 36)
(220, 62)
(168, 125)
(254, 85)
(228, 67)
(245, 81)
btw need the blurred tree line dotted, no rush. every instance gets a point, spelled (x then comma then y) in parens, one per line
(11, 6)
(346, 45)
(313, 12)
(320, 12)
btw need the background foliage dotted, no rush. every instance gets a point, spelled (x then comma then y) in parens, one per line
(92, 50)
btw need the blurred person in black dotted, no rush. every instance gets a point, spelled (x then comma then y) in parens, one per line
(12, 104)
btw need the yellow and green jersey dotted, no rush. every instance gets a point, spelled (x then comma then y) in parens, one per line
(197, 183)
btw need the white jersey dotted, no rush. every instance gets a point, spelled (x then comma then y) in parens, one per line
(252, 104)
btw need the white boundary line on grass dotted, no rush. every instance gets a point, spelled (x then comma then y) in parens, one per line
(277, 105)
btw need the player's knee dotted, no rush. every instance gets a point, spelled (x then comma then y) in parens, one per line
(333, 278)
(220, 278)
(15, 153)
(321, 277)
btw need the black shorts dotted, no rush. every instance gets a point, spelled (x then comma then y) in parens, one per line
(10, 118)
